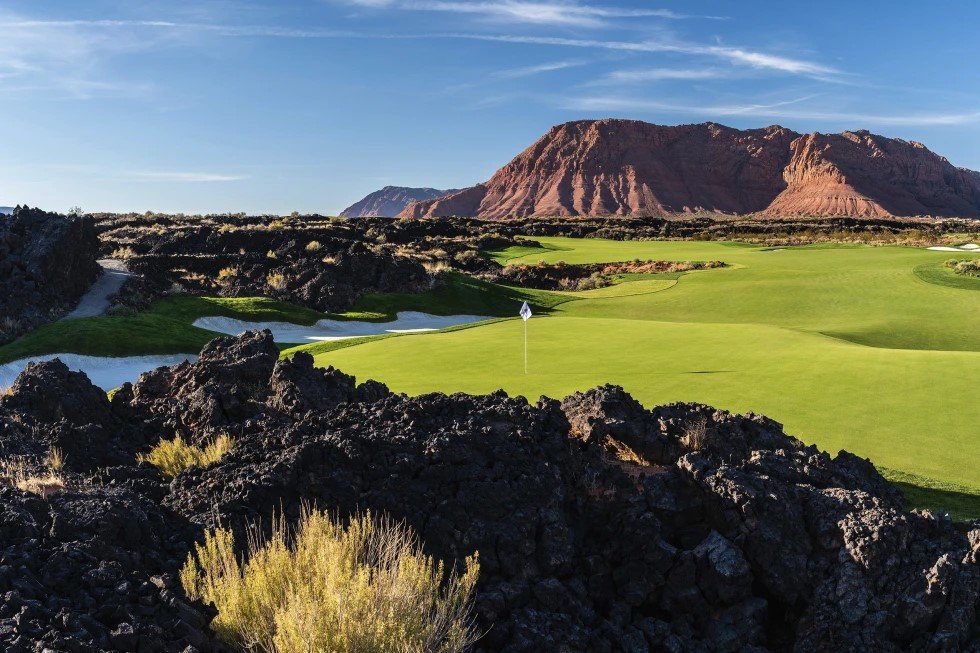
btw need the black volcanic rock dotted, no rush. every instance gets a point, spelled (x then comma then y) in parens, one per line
(601, 525)
(390, 201)
(47, 262)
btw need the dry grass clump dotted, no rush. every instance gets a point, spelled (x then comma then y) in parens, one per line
(227, 273)
(313, 246)
(696, 434)
(172, 457)
(276, 281)
(123, 252)
(365, 587)
(18, 474)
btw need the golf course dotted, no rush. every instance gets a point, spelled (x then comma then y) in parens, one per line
(870, 349)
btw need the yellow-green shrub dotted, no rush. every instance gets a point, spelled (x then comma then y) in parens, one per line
(172, 457)
(364, 587)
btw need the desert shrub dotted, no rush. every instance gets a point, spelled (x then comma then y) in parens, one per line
(968, 267)
(313, 246)
(435, 267)
(55, 460)
(695, 434)
(172, 457)
(17, 473)
(271, 255)
(329, 259)
(227, 274)
(364, 587)
(276, 281)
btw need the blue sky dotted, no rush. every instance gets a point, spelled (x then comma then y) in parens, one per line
(307, 105)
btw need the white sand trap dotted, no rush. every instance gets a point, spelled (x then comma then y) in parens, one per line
(107, 373)
(969, 247)
(407, 322)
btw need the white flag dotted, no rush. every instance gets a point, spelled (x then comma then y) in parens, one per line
(525, 312)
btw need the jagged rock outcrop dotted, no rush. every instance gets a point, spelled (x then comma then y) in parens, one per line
(866, 175)
(601, 525)
(390, 201)
(628, 167)
(47, 262)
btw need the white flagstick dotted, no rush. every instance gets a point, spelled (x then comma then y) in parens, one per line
(525, 315)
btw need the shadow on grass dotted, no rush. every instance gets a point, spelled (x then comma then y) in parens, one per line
(962, 503)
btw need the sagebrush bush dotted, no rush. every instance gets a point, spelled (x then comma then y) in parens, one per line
(364, 587)
(276, 281)
(172, 457)
(968, 267)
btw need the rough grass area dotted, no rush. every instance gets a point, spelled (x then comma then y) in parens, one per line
(366, 586)
(172, 457)
(844, 345)
(937, 272)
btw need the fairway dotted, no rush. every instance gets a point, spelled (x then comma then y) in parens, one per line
(846, 346)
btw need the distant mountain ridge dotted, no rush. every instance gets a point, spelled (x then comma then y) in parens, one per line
(6, 210)
(391, 200)
(629, 167)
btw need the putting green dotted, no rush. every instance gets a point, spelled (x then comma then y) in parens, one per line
(847, 346)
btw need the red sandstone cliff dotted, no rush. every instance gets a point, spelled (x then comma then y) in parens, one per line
(628, 167)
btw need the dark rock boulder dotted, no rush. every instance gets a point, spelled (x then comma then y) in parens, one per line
(90, 570)
(228, 384)
(47, 262)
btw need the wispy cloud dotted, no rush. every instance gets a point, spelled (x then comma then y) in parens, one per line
(184, 177)
(527, 71)
(734, 55)
(781, 110)
(659, 74)
(522, 11)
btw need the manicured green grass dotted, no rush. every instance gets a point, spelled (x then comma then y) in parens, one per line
(166, 328)
(846, 346)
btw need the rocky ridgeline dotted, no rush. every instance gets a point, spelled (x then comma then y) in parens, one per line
(601, 525)
(627, 167)
(47, 262)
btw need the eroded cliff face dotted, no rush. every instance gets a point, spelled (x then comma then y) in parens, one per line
(627, 167)
(865, 175)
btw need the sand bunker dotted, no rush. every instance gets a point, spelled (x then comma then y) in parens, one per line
(107, 373)
(969, 247)
(407, 322)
